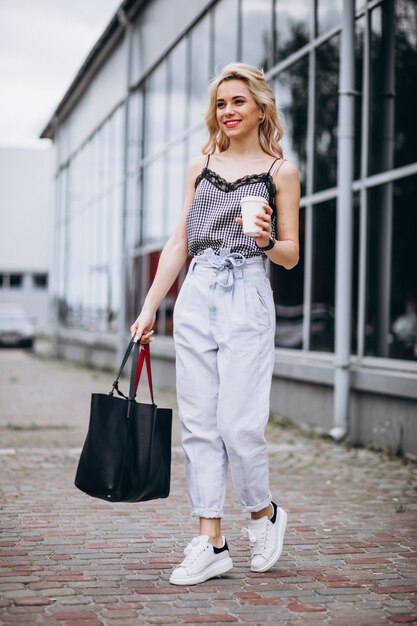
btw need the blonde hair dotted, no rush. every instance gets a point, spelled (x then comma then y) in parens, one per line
(270, 128)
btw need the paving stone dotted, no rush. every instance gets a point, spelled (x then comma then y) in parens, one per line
(69, 560)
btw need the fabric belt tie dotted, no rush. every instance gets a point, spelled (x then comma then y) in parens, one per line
(228, 264)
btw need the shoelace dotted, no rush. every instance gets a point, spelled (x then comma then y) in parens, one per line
(257, 538)
(196, 546)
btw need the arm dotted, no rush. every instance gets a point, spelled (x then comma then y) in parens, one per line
(287, 201)
(286, 251)
(173, 257)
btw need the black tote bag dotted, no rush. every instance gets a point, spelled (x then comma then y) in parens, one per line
(126, 455)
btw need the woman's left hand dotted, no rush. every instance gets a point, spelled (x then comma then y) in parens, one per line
(265, 227)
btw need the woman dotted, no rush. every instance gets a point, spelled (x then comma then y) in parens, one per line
(224, 317)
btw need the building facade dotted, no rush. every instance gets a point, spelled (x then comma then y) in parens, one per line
(133, 117)
(25, 235)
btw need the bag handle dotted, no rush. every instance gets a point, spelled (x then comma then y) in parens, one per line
(136, 371)
(145, 355)
(115, 385)
(139, 356)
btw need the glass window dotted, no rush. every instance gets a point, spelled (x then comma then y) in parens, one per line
(323, 277)
(200, 71)
(256, 33)
(393, 133)
(133, 211)
(288, 288)
(329, 14)
(291, 92)
(117, 120)
(359, 51)
(177, 110)
(391, 303)
(175, 186)
(327, 85)
(225, 33)
(153, 206)
(292, 26)
(135, 131)
(405, 86)
(156, 110)
(16, 280)
(381, 148)
(40, 280)
(89, 271)
(355, 273)
(196, 142)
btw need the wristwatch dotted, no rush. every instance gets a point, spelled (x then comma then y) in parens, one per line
(270, 245)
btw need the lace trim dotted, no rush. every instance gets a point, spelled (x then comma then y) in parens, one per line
(224, 185)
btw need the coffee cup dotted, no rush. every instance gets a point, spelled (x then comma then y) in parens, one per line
(251, 208)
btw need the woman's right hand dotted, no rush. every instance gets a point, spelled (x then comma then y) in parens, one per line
(142, 327)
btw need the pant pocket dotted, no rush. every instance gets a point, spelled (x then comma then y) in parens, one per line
(260, 306)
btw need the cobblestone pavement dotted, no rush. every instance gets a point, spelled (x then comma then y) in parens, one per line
(349, 556)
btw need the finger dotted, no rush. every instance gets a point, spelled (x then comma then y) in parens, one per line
(144, 342)
(267, 208)
(264, 217)
(138, 334)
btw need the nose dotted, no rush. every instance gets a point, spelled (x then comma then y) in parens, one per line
(229, 108)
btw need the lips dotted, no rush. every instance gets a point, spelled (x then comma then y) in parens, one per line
(231, 123)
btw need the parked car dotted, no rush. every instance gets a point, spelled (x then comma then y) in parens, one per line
(16, 327)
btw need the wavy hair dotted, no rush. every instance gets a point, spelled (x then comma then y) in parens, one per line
(271, 127)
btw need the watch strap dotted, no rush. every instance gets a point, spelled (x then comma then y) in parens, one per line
(270, 245)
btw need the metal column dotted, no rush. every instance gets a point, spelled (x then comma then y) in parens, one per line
(54, 300)
(344, 232)
(122, 329)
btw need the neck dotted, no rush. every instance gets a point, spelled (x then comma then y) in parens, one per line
(244, 147)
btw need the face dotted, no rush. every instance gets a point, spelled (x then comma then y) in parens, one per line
(236, 109)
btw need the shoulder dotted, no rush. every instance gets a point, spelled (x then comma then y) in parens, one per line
(196, 165)
(286, 174)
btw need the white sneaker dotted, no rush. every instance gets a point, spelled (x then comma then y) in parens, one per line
(202, 561)
(266, 538)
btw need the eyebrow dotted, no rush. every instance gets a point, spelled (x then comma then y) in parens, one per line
(234, 98)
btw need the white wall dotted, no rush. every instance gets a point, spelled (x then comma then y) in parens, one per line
(106, 89)
(158, 25)
(26, 187)
(25, 203)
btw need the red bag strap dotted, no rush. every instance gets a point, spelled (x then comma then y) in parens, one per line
(144, 354)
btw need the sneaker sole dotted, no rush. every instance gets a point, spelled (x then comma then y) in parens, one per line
(282, 524)
(221, 567)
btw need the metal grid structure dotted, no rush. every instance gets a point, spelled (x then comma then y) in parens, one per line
(151, 152)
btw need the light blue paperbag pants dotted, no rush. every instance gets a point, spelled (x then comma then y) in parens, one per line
(224, 328)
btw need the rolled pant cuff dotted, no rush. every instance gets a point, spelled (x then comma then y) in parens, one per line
(257, 507)
(209, 513)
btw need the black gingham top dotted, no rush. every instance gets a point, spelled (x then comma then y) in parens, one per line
(211, 216)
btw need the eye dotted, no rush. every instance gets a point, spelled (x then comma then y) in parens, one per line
(220, 105)
(239, 101)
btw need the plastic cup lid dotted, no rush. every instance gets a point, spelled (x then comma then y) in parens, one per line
(254, 198)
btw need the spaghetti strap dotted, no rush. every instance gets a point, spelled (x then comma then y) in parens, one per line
(272, 165)
(207, 162)
(277, 170)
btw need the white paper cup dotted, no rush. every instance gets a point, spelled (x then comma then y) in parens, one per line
(251, 207)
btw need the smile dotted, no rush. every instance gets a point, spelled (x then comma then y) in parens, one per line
(232, 123)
